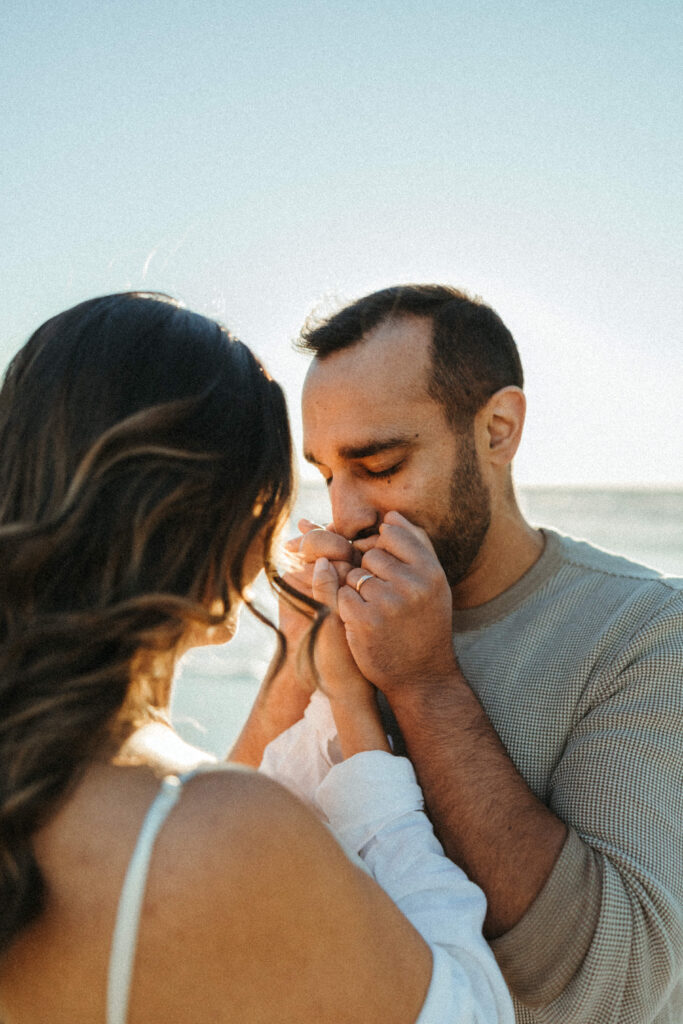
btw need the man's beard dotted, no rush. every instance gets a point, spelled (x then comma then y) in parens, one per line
(458, 537)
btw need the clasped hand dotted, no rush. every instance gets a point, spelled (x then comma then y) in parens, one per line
(397, 630)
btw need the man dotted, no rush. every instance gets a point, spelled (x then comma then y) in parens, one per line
(537, 681)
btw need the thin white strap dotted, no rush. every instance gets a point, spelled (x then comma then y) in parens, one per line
(124, 941)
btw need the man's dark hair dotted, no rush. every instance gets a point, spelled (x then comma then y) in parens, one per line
(473, 352)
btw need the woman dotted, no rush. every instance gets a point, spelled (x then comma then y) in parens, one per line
(144, 474)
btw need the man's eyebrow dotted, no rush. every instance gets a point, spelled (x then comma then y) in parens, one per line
(364, 451)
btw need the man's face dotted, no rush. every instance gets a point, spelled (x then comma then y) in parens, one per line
(382, 443)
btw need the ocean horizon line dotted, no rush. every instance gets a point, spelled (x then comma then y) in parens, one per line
(657, 487)
(314, 482)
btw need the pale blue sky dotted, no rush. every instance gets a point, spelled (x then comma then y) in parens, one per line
(257, 159)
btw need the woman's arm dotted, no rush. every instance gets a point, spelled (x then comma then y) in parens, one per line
(280, 702)
(374, 804)
(341, 718)
(282, 698)
(259, 915)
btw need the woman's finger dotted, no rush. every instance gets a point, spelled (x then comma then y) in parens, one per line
(325, 583)
(366, 543)
(306, 525)
(323, 544)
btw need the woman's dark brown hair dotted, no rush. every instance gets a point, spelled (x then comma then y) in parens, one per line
(143, 453)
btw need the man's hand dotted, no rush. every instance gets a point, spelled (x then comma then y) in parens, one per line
(399, 630)
(399, 626)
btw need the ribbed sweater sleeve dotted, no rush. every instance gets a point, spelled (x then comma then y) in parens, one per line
(603, 941)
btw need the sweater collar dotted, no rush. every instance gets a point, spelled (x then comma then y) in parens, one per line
(498, 607)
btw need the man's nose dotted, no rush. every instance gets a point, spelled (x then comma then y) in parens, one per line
(352, 513)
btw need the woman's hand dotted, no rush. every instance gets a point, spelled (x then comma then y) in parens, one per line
(351, 696)
(311, 543)
(341, 679)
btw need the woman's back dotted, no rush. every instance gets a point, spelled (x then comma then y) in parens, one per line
(251, 912)
(145, 469)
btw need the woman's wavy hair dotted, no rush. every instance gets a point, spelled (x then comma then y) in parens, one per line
(143, 452)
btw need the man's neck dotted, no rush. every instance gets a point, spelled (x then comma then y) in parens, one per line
(510, 548)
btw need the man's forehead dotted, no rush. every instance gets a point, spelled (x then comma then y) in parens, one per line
(393, 357)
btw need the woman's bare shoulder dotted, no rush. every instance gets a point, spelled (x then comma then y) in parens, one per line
(232, 828)
(251, 912)
(258, 895)
(237, 810)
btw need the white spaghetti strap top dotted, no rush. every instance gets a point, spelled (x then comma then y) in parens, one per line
(125, 938)
(124, 941)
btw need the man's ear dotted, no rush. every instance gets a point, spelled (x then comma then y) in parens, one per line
(499, 425)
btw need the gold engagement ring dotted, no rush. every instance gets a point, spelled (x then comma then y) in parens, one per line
(364, 579)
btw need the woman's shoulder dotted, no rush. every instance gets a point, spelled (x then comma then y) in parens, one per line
(230, 824)
(238, 842)
(250, 909)
(268, 896)
(230, 800)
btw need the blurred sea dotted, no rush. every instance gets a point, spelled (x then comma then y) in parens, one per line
(215, 686)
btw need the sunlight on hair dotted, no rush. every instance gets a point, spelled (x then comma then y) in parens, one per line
(157, 744)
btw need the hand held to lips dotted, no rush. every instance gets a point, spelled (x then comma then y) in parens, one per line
(315, 542)
(397, 609)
